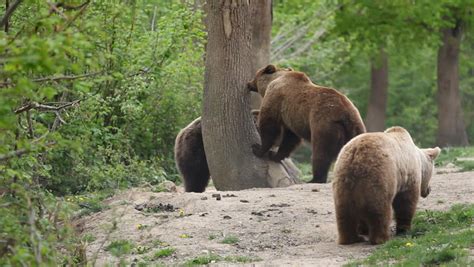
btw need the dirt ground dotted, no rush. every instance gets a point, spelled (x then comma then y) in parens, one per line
(284, 226)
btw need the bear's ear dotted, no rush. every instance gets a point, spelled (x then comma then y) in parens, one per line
(433, 153)
(269, 69)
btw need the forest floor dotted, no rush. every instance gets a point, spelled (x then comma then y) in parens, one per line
(282, 226)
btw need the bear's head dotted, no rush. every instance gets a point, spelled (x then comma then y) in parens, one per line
(264, 77)
(427, 168)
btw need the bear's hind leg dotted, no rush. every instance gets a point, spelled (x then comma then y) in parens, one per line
(288, 143)
(404, 205)
(326, 144)
(379, 224)
(347, 220)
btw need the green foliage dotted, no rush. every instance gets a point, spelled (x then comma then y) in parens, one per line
(213, 258)
(462, 157)
(230, 239)
(437, 237)
(119, 248)
(166, 252)
(91, 98)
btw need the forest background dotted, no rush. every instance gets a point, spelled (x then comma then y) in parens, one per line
(92, 94)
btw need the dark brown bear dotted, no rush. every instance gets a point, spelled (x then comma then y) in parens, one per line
(292, 104)
(190, 157)
(374, 173)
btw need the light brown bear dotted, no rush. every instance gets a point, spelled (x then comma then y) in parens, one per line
(295, 107)
(373, 173)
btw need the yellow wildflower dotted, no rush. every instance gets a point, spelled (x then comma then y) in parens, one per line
(409, 244)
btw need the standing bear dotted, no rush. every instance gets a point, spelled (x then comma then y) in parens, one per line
(296, 108)
(374, 173)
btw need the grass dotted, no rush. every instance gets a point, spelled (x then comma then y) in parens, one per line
(230, 239)
(454, 155)
(436, 238)
(212, 258)
(120, 247)
(306, 171)
(162, 253)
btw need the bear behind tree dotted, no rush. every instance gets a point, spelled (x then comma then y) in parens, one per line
(190, 156)
(373, 173)
(295, 107)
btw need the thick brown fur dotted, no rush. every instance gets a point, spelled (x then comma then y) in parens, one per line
(374, 173)
(190, 157)
(299, 109)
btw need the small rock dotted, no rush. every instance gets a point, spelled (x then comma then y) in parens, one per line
(218, 197)
(258, 213)
(314, 190)
(204, 198)
(280, 205)
(140, 207)
(244, 201)
(229, 195)
(272, 195)
(227, 217)
(203, 214)
(167, 186)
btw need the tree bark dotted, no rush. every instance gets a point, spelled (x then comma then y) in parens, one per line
(451, 127)
(227, 125)
(375, 119)
(261, 41)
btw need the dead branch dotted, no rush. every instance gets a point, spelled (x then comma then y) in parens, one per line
(9, 12)
(70, 7)
(42, 107)
(82, 8)
(22, 151)
(58, 78)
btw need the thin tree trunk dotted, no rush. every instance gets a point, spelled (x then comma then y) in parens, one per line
(375, 119)
(451, 127)
(227, 125)
(261, 42)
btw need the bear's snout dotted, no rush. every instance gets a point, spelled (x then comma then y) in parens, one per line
(251, 87)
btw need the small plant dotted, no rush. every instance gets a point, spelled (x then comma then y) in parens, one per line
(213, 258)
(164, 253)
(212, 237)
(119, 247)
(203, 260)
(230, 239)
(88, 238)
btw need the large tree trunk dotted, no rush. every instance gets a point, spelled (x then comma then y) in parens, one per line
(261, 42)
(451, 127)
(375, 119)
(227, 125)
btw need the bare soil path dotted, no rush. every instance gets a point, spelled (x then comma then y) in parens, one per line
(285, 226)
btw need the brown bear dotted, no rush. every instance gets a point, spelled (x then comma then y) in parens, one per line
(299, 109)
(374, 173)
(190, 157)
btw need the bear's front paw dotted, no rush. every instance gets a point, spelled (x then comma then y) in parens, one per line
(257, 150)
(274, 156)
